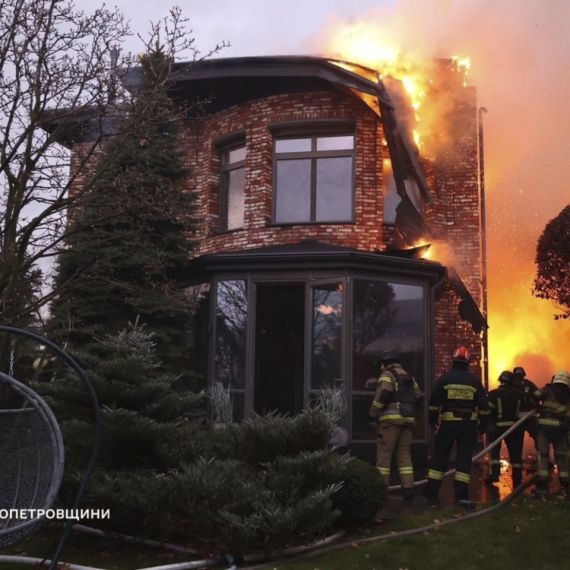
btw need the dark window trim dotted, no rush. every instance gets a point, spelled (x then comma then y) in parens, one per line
(312, 130)
(299, 128)
(310, 277)
(225, 144)
(229, 140)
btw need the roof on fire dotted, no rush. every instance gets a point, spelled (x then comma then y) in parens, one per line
(229, 81)
(223, 82)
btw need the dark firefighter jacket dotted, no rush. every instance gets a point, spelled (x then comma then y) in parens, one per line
(555, 405)
(459, 394)
(506, 403)
(386, 404)
(531, 396)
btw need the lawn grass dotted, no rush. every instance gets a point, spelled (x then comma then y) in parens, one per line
(525, 533)
(522, 534)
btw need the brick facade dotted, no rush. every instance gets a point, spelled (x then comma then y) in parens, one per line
(254, 118)
(452, 176)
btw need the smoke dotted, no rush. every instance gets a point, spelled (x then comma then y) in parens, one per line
(519, 53)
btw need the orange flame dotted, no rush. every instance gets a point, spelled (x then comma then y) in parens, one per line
(524, 150)
(360, 43)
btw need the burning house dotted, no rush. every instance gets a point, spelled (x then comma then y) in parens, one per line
(327, 234)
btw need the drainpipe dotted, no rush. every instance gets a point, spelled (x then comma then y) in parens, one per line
(483, 245)
(433, 323)
(432, 351)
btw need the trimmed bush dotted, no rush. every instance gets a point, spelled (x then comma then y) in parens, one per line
(362, 495)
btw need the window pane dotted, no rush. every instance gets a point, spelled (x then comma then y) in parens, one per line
(326, 336)
(335, 143)
(234, 155)
(198, 297)
(293, 192)
(231, 316)
(361, 428)
(415, 195)
(334, 189)
(238, 404)
(391, 197)
(236, 191)
(293, 145)
(388, 316)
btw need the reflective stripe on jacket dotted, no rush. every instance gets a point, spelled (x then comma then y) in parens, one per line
(555, 405)
(390, 410)
(459, 395)
(505, 403)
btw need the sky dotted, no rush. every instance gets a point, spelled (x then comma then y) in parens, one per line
(520, 55)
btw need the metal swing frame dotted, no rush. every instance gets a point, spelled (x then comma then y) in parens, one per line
(56, 440)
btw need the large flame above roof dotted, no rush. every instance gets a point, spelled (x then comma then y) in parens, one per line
(415, 74)
(516, 69)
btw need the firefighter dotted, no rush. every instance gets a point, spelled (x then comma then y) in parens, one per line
(552, 430)
(505, 403)
(393, 415)
(461, 399)
(531, 394)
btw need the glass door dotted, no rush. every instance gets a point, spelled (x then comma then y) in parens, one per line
(325, 367)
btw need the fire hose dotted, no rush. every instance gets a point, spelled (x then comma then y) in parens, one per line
(478, 456)
(316, 549)
(412, 531)
(421, 530)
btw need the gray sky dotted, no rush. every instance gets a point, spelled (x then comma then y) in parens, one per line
(253, 27)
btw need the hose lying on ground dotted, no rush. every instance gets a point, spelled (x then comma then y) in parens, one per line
(419, 530)
(481, 453)
(133, 539)
(316, 549)
(42, 563)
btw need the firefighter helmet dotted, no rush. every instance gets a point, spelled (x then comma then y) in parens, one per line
(519, 371)
(387, 357)
(462, 355)
(507, 377)
(561, 377)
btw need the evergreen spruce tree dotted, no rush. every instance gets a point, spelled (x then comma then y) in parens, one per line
(263, 484)
(143, 415)
(125, 266)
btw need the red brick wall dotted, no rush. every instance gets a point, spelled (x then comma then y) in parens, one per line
(455, 218)
(254, 117)
(451, 176)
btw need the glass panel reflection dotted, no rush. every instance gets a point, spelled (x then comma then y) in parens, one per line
(293, 145)
(293, 198)
(361, 428)
(326, 336)
(386, 316)
(391, 197)
(198, 296)
(231, 316)
(335, 143)
(334, 189)
(238, 402)
(236, 190)
(234, 155)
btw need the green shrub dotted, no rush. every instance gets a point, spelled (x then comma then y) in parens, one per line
(264, 484)
(362, 494)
